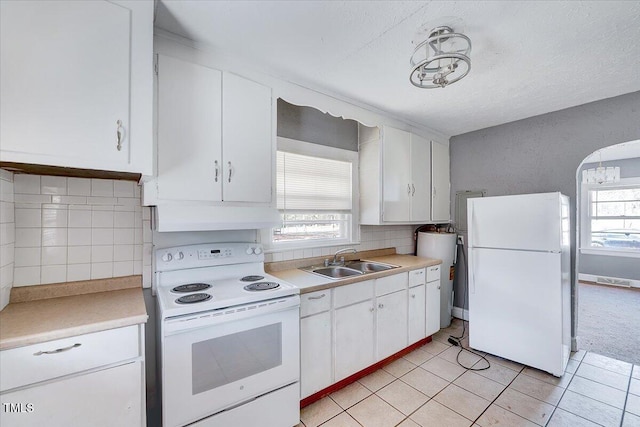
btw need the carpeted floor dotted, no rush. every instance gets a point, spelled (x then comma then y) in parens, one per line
(609, 321)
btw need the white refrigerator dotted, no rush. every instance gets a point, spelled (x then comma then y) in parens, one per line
(519, 278)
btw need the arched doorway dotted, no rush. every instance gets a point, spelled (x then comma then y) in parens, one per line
(608, 251)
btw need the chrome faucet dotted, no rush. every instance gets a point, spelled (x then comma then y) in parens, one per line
(342, 251)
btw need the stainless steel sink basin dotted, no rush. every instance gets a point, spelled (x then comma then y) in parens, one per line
(369, 266)
(351, 268)
(336, 272)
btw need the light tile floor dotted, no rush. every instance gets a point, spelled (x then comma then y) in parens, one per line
(428, 388)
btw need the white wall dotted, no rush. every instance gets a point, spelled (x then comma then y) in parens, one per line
(70, 229)
(7, 236)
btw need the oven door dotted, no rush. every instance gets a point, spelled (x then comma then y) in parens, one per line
(209, 368)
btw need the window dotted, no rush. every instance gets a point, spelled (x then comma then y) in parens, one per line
(612, 218)
(315, 192)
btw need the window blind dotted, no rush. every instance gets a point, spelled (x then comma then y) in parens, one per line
(306, 183)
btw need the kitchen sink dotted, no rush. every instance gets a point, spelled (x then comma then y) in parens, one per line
(336, 272)
(351, 268)
(369, 266)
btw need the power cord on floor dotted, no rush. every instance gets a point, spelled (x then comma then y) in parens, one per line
(457, 341)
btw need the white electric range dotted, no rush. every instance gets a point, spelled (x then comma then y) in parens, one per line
(229, 338)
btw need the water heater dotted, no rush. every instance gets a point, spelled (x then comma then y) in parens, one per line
(441, 246)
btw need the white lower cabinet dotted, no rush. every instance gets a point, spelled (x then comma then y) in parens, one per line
(354, 342)
(433, 300)
(109, 397)
(349, 328)
(417, 313)
(95, 379)
(391, 323)
(316, 362)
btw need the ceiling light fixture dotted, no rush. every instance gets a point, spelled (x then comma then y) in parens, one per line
(441, 59)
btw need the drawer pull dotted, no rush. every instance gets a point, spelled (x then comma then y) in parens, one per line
(58, 350)
(318, 297)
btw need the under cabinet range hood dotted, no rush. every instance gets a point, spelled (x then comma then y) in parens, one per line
(181, 217)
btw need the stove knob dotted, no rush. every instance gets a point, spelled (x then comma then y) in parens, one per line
(249, 250)
(167, 257)
(257, 250)
(178, 256)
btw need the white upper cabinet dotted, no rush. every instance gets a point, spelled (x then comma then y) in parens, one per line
(189, 131)
(215, 136)
(440, 186)
(399, 181)
(247, 140)
(76, 84)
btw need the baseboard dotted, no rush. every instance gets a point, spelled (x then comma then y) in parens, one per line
(609, 281)
(460, 313)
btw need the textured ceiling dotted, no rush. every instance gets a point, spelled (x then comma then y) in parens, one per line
(528, 57)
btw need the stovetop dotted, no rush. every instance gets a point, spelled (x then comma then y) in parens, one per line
(198, 278)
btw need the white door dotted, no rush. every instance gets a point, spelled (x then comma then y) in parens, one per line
(440, 182)
(417, 312)
(107, 398)
(420, 179)
(433, 308)
(64, 82)
(396, 175)
(524, 222)
(247, 135)
(189, 131)
(315, 353)
(354, 338)
(391, 323)
(515, 306)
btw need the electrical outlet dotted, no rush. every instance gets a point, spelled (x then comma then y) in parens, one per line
(460, 239)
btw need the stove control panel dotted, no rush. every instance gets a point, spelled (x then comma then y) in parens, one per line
(207, 255)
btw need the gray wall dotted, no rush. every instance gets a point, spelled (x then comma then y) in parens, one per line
(540, 154)
(311, 125)
(610, 266)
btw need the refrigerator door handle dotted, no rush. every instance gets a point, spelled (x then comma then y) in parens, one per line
(473, 279)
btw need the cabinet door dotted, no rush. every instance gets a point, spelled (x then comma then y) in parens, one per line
(420, 179)
(189, 131)
(354, 338)
(391, 323)
(315, 353)
(433, 307)
(110, 397)
(417, 312)
(396, 175)
(440, 182)
(66, 81)
(247, 136)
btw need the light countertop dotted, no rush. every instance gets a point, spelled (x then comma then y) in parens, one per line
(310, 282)
(48, 312)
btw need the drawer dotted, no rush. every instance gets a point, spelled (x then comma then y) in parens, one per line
(30, 364)
(433, 273)
(389, 284)
(350, 294)
(417, 277)
(315, 302)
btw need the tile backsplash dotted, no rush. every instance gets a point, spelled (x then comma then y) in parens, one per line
(69, 229)
(7, 236)
(371, 237)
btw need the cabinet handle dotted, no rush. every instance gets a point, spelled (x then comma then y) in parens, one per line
(119, 135)
(413, 295)
(380, 305)
(318, 297)
(217, 169)
(408, 189)
(230, 169)
(413, 190)
(58, 350)
(371, 309)
(438, 286)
